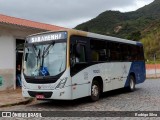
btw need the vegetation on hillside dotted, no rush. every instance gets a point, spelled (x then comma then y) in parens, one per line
(151, 41)
(140, 25)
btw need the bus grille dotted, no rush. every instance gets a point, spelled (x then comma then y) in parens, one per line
(46, 94)
(41, 81)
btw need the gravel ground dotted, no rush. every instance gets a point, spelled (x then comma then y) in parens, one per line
(146, 97)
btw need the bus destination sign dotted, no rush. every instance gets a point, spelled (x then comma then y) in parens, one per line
(47, 37)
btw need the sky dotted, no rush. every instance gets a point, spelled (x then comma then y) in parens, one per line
(65, 13)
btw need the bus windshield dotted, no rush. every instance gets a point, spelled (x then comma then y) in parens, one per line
(45, 59)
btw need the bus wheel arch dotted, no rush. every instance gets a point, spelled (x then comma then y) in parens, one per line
(96, 88)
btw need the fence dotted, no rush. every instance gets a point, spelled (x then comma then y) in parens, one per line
(152, 70)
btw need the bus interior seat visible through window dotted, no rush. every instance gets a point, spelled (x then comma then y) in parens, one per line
(95, 56)
(103, 55)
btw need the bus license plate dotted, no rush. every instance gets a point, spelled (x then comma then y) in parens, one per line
(40, 96)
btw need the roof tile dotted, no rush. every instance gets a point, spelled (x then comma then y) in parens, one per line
(28, 23)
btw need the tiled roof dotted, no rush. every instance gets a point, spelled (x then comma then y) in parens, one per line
(28, 23)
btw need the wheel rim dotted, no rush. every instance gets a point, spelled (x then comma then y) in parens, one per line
(131, 84)
(95, 90)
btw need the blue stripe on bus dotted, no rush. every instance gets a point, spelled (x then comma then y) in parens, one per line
(138, 68)
(139, 44)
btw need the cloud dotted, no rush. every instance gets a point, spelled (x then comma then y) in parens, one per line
(67, 13)
(131, 7)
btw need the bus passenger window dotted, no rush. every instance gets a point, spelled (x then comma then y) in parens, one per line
(103, 55)
(95, 56)
(98, 50)
(80, 53)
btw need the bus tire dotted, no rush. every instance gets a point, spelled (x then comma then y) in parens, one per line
(95, 91)
(131, 86)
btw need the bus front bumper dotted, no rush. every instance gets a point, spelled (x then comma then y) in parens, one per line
(57, 94)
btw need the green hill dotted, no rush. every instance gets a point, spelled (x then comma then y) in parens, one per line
(142, 24)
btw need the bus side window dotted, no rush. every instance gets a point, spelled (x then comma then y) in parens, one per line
(98, 51)
(133, 53)
(140, 53)
(80, 53)
(103, 55)
(72, 55)
(94, 55)
(125, 52)
(113, 53)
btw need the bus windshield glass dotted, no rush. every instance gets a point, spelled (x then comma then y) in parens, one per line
(47, 58)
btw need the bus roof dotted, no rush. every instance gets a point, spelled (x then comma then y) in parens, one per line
(91, 35)
(104, 37)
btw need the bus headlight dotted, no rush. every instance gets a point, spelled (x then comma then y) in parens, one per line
(62, 83)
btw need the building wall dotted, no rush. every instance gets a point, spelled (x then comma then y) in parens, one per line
(7, 61)
(8, 36)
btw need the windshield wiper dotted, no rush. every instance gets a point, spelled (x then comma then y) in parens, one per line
(60, 67)
(47, 49)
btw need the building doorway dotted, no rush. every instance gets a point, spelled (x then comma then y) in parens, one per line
(19, 56)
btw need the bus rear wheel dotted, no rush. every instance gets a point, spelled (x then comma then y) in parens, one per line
(95, 91)
(131, 86)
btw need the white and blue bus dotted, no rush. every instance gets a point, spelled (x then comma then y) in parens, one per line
(71, 64)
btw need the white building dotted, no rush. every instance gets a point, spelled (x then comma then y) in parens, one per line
(12, 33)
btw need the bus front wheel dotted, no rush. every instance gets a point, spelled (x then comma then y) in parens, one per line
(95, 91)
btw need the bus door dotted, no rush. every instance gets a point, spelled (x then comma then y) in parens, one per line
(79, 66)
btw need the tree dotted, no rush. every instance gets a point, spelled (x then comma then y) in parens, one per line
(136, 36)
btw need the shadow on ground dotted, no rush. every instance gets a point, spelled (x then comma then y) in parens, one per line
(64, 104)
